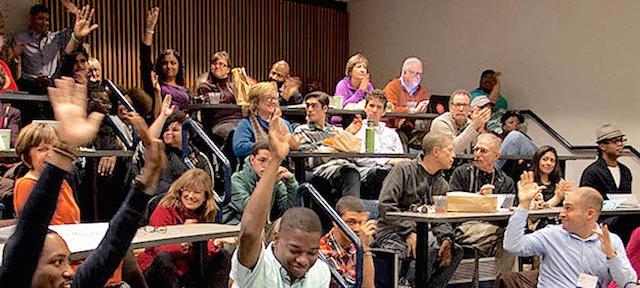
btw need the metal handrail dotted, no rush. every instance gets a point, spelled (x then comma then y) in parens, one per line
(315, 195)
(226, 166)
(564, 141)
(108, 84)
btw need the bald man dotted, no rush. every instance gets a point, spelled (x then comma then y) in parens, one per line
(483, 177)
(579, 248)
(288, 87)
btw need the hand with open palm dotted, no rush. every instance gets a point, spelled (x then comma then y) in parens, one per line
(69, 103)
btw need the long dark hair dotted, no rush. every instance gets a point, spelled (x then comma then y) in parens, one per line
(158, 67)
(555, 175)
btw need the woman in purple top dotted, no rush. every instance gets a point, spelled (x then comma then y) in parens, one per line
(168, 67)
(355, 84)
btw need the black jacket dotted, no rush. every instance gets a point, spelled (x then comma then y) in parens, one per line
(409, 183)
(468, 178)
(598, 176)
(22, 251)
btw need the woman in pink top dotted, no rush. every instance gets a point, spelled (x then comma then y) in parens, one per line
(353, 87)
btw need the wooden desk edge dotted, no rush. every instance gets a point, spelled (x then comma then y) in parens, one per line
(159, 242)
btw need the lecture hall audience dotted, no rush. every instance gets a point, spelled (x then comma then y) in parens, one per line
(280, 242)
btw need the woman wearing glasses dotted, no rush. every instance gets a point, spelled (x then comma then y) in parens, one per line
(189, 200)
(263, 103)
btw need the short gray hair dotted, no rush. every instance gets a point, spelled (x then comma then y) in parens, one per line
(407, 62)
(433, 140)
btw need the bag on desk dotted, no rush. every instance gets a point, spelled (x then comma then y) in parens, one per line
(471, 202)
(343, 142)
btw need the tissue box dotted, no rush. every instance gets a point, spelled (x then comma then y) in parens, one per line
(471, 202)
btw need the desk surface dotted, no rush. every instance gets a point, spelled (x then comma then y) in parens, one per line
(302, 154)
(24, 97)
(305, 154)
(301, 111)
(81, 153)
(82, 239)
(452, 217)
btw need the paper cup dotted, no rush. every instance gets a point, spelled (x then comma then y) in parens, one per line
(5, 134)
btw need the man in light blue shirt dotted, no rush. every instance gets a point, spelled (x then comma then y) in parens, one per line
(576, 249)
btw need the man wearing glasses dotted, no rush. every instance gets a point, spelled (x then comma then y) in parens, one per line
(244, 182)
(215, 87)
(483, 177)
(607, 175)
(457, 123)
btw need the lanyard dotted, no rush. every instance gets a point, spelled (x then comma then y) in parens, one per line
(474, 176)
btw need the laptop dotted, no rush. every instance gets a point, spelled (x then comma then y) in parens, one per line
(626, 199)
(438, 102)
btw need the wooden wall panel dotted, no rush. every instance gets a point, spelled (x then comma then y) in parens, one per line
(256, 33)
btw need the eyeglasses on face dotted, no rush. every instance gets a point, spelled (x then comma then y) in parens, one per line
(480, 150)
(616, 140)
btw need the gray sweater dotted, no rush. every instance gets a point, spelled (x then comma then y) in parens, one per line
(463, 135)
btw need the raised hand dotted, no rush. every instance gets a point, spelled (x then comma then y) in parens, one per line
(69, 103)
(82, 26)
(528, 189)
(71, 8)
(152, 19)
(279, 138)
(139, 126)
(605, 241)
(167, 109)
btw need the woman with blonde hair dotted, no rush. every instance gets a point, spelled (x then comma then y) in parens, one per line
(189, 200)
(263, 103)
(34, 144)
(356, 83)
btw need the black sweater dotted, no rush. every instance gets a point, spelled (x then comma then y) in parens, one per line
(22, 251)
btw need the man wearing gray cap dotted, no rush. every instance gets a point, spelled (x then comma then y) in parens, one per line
(606, 174)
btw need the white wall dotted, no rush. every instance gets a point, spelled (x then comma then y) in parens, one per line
(14, 13)
(575, 63)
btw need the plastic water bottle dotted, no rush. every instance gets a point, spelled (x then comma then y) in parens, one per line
(369, 138)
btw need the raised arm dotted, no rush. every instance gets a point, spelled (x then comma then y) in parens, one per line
(165, 111)
(150, 25)
(146, 66)
(515, 241)
(82, 27)
(22, 251)
(255, 215)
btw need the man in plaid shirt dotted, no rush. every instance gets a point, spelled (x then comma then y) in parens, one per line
(341, 252)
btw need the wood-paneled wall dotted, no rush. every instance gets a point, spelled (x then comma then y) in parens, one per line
(256, 33)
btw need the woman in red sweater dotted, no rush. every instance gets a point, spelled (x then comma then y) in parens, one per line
(189, 200)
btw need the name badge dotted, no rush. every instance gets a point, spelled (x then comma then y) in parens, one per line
(587, 281)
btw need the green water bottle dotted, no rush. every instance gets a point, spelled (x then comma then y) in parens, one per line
(369, 146)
